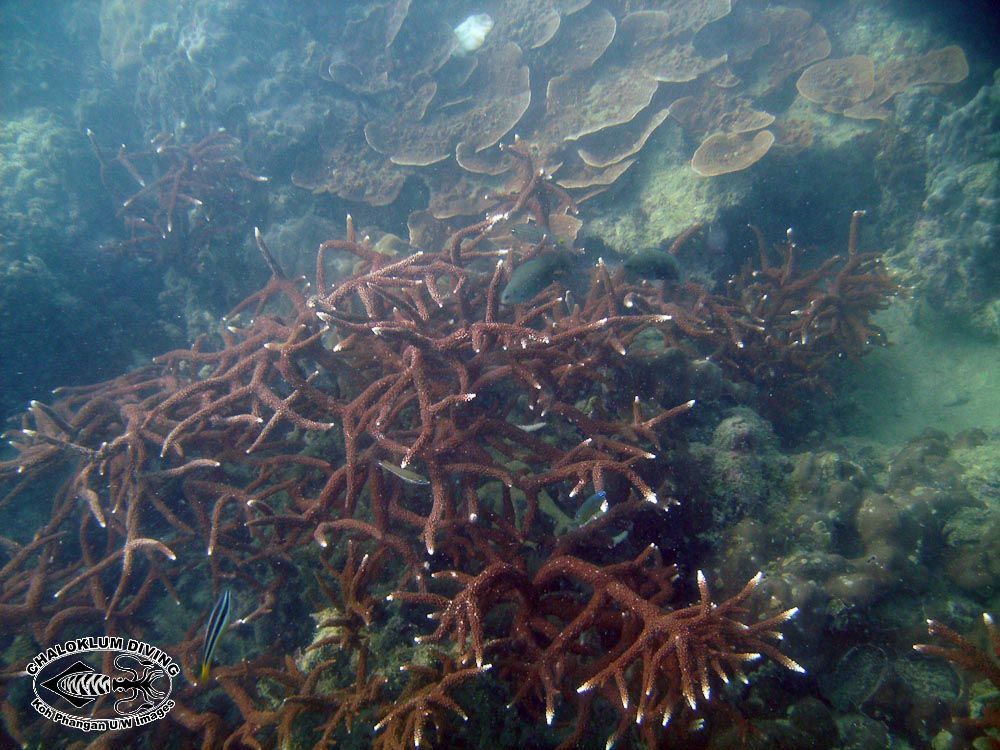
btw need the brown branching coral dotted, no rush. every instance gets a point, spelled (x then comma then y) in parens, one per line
(174, 196)
(976, 661)
(425, 701)
(660, 661)
(675, 652)
(777, 326)
(386, 416)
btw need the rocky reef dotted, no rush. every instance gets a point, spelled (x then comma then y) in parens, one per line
(950, 252)
(453, 505)
(869, 543)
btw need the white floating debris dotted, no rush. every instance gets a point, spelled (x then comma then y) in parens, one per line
(472, 32)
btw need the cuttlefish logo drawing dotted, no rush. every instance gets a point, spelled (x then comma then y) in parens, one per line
(67, 685)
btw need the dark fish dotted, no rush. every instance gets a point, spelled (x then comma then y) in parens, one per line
(215, 627)
(653, 264)
(532, 277)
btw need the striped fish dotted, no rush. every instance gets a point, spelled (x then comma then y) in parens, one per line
(405, 474)
(213, 629)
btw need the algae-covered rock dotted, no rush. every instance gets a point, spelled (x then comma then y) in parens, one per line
(982, 471)
(951, 253)
(972, 560)
(125, 26)
(40, 202)
(858, 674)
(860, 732)
(743, 466)
(665, 196)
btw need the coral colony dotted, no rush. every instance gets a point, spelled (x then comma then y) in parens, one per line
(588, 87)
(169, 194)
(388, 446)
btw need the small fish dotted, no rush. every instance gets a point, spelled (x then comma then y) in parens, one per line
(532, 277)
(717, 238)
(215, 627)
(405, 474)
(535, 235)
(591, 507)
(533, 427)
(653, 264)
(391, 245)
(529, 233)
(957, 399)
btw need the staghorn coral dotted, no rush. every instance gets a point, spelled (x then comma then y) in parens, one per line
(174, 197)
(776, 320)
(390, 408)
(678, 652)
(978, 661)
(259, 688)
